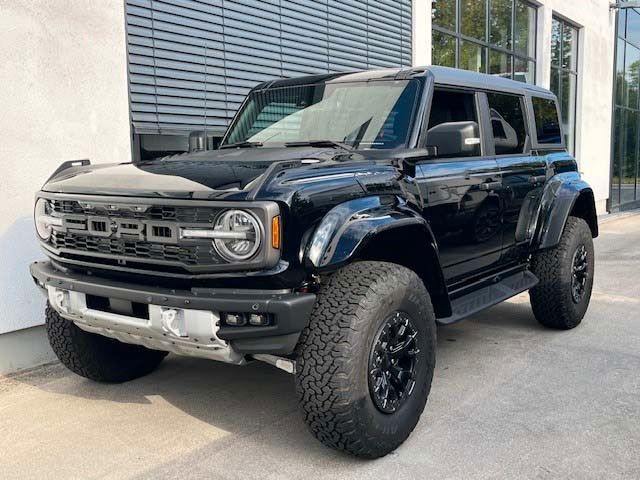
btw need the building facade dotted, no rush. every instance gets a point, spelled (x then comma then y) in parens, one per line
(123, 80)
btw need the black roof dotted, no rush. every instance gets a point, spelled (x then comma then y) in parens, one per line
(440, 75)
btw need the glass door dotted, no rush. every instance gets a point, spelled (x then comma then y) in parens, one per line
(626, 129)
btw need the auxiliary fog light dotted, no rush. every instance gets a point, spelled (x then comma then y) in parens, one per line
(259, 319)
(235, 319)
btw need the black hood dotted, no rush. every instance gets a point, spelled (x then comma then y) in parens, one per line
(202, 175)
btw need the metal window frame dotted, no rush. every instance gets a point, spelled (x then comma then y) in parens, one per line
(486, 44)
(559, 69)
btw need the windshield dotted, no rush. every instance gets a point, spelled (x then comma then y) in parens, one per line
(374, 114)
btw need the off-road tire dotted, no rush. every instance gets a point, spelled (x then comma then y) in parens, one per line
(95, 357)
(333, 357)
(551, 300)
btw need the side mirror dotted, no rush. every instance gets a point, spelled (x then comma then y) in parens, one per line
(504, 135)
(455, 139)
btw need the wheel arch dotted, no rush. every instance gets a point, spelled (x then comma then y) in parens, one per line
(372, 228)
(565, 195)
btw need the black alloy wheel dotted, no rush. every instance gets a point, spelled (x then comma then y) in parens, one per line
(392, 363)
(579, 273)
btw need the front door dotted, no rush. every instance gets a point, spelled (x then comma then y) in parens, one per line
(461, 188)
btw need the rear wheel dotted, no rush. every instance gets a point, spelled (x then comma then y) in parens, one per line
(96, 357)
(566, 271)
(365, 361)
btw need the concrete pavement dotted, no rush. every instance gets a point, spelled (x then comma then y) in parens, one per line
(510, 399)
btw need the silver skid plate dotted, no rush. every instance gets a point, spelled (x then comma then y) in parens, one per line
(177, 330)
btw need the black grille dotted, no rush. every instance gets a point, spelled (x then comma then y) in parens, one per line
(154, 212)
(189, 255)
(144, 235)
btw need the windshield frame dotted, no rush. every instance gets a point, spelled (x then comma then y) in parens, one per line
(414, 124)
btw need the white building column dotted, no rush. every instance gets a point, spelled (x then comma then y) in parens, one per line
(543, 46)
(421, 32)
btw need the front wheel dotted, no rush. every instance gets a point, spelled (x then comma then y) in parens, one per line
(561, 298)
(366, 359)
(96, 357)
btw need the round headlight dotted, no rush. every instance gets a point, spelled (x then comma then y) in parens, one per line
(237, 235)
(41, 217)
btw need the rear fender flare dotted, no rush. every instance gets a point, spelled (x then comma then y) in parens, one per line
(565, 194)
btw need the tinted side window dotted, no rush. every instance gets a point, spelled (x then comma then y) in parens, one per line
(507, 123)
(547, 123)
(453, 124)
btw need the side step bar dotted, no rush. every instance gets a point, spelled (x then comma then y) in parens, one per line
(490, 295)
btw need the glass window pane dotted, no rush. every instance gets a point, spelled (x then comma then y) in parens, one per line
(633, 26)
(622, 22)
(555, 82)
(446, 107)
(547, 122)
(473, 15)
(524, 71)
(525, 34)
(632, 67)
(443, 49)
(569, 47)
(568, 108)
(500, 23)
(628, 180)
(507, 123)
(443, 13)
(499, 64)
(621, 83)
(618, 153)
(473, 57)
(556, 33)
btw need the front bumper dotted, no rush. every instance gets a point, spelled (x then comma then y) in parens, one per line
(185, 322)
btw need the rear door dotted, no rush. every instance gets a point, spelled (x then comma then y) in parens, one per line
(460, 187)
(523, 173)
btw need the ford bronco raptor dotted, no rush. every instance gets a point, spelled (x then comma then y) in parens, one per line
(341, 219)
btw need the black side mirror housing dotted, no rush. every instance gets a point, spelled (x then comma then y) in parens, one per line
(455, 139)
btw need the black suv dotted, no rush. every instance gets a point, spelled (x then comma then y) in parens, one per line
(341, 219)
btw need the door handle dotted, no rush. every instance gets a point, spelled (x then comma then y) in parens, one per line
(486, 186)
(537, 178)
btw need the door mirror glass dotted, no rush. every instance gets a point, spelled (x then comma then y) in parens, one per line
(455, 139)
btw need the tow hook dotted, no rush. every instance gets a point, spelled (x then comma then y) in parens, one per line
(173, 322)
(282, 363)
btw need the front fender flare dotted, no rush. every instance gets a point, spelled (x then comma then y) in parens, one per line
(348, 227)
(381, 228)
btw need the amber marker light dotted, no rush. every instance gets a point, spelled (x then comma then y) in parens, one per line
(275, 232)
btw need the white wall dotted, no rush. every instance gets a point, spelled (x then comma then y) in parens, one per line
(421, 47)
(595, 83)
(63, 92)
(595, 57)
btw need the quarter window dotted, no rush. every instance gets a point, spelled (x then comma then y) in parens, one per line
(547, 123)
(507, 123)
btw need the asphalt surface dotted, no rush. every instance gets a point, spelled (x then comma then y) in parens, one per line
(510, 399)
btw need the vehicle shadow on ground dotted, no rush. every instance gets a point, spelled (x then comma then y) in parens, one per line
(260, 399)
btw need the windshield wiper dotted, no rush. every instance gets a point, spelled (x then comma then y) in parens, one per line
(319, 143)
(241, 145)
